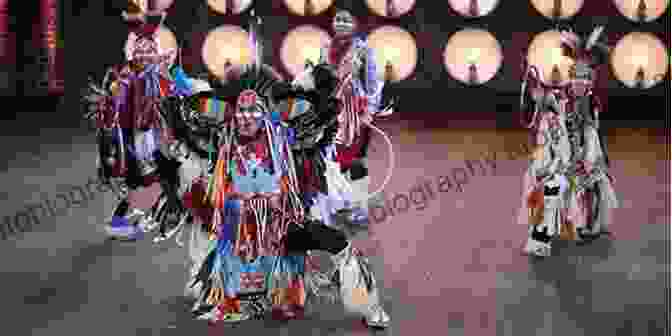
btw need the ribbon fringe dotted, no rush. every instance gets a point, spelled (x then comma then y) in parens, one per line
(321, 286)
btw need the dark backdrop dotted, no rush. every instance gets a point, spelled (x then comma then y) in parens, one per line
(7, 51)
(430, 94)
(61, 23)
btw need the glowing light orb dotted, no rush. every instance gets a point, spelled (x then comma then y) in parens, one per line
(301, 44)
(473, 56)
(545, 52)
(567, 8)
(395, 47)
(308, 7)
(640, 52)
(160, 5)
(220, 6)
(226, 43)
(466, 8)
(633, 10)
(390, 8)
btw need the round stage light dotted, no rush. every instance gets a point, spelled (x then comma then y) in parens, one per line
(561, 9)
(473, 56)
(163, 4)
(390, 8)
(301, 44)
(395, 51)
(642, 10)
(226, 46)
(308, 7)
(546, 53)
(160, 5)
(229, 6)
(166, 38)
(640, 60)
(473, 8)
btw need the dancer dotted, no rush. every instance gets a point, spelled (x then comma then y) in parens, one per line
(361, 97)
(271, 249)
(592, 196)
(347, 71)
(177, 166)
(568, 192)
(188, 159)
(262, 225)
(127, 108)
(544, 184)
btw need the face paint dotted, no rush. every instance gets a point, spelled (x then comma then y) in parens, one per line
(248, 116)
(344, 23)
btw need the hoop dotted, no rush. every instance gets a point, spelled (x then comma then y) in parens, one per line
(390, 168)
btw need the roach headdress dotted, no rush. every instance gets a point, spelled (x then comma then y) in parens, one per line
(591, 49)
(260, 79)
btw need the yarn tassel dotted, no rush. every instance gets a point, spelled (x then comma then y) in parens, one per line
(366, 269)
(223, 187)
(230, 220)
(216, 296)
(215, 224)
(298, 291)
(123, 166)
(217, 293)
(319, 285)
(272, 144)
(209, 190)
(206, 268)
(290, 108)
(284, 184)
(221, 184)
(215, 184)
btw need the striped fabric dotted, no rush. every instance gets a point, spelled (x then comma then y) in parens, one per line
(295, 108)
(212, 106)
(353, 106)
(349, 116)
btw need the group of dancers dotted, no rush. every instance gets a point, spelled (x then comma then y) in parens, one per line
(259, 183)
